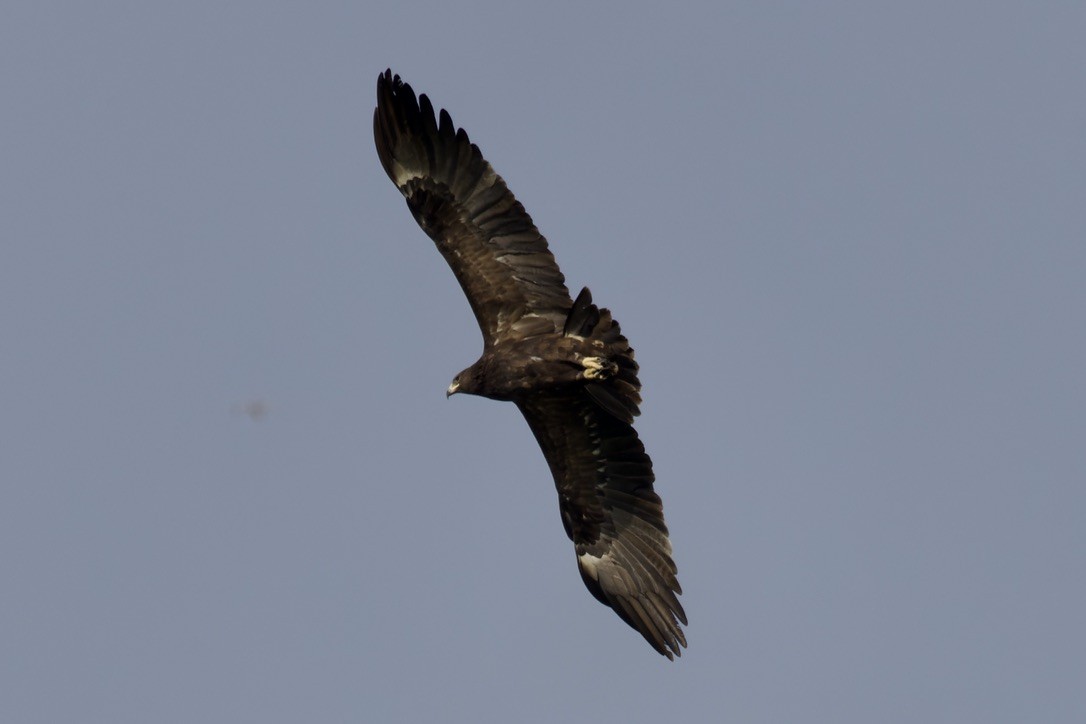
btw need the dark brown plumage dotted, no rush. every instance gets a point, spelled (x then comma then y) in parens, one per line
(563, 362)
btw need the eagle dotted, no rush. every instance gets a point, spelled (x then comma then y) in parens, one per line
(563, 362)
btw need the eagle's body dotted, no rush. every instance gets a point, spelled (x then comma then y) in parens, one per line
(563, 362)
(514, 369)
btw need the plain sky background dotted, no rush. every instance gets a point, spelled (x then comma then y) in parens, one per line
(848, 241)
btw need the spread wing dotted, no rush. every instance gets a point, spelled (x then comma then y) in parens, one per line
(500, 259)
(611, 512)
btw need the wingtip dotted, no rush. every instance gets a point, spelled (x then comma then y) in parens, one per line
(390, 85)
(385, 79)
(387, 76)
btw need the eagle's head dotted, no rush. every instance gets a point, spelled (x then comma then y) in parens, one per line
(468, 382)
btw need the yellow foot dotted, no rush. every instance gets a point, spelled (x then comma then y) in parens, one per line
(597, 368)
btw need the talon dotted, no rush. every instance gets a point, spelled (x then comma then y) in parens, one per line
(597, 368)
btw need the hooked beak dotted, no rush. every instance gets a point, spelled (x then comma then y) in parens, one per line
(453, 389)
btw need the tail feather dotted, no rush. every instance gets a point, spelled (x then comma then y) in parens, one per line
(620, 395)
(583, 316)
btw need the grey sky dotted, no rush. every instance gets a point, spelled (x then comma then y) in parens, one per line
(848, 241)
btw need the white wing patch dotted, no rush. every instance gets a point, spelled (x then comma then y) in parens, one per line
(610, 574)
(592, 564)
(401, 175)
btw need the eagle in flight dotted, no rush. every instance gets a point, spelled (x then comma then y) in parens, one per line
(564, 362)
